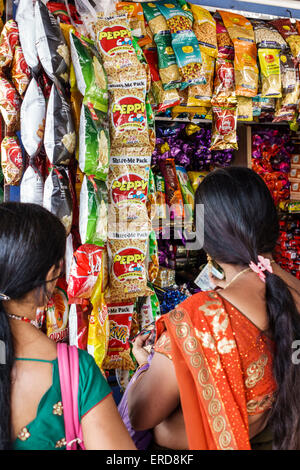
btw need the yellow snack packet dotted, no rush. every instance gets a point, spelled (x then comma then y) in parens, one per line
(204, 27)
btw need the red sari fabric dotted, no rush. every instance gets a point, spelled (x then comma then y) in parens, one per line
(223, 365)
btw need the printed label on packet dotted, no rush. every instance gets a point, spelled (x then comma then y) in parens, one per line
(115, 40)
(129, 263)
(129, 113)
(129, 187)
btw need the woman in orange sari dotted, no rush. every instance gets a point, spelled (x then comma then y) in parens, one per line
(223, 375)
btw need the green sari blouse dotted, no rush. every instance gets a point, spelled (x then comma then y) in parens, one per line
(47, 430)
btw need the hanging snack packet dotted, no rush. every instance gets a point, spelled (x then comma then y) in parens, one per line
(173, 191)
(11, 160)
(288, 72)
(60, 136)
(153, 261)
(224, 83)
(128, 116)
(93, 211)
(136, 20)
(225, 45)
(94, 143)
(89, 262)
(246, 70)
(150, 310)
(187, 192)
(224, 128)
(270, 72)
(238, 27)
(58, 198)
(79, 325)
(9, 39)
(151, 198)
(245, 53)
(167, 65)
(58, 313)
(90, 76)
(127, 253)
(26, 21)
(118, 354)
(156, 21)
(200, 95)
(32, 187)
(164, 99)
(188, 57)
(287, 30)
(114, 42)
(128, 190)
(244, 109)
(161, 209)
(204, 27)
(178, 20)
(98, 330)
(267, 36)
(32, 130)
(9, 106)
(20, 74)
(51, 46)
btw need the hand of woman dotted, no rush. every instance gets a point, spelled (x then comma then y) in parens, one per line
(138, 350)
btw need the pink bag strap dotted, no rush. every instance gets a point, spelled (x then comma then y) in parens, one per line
(68, 365)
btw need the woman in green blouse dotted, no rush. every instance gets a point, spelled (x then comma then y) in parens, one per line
(32, 247)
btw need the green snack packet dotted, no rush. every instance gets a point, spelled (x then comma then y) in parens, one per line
(167, 65)
(93, 212)
(187, 192)
(90, 75)
(94, 143)
(153, 261)
(150, 310)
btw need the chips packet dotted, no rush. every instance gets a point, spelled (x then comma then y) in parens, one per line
(93, 211)
(52, 49)
(27, 34)
(189, 59)
(57, 196)
(118, 354)
(79, 325)
(270, 72)
(200, 95)
(98, 330)
(238, 27)
(151, 197)
(173, 191)
(127, 253)
(224, 128)
(10, 104)
(224, 83)
(94, 143)
(20, 74)
(267, 36)
(89, 262)
(196, 177)
(57, 313)
(156, 21)
(32, 187)
(149, 311)
(153, 261)
(177, 18)
(114, 42)
(244, 109)
(204, 27)
(11, 160)
(128, 115)
(32, 130)
(167, 65)
(225, 45)
(9, 39)
(60, 135)
(289, 33)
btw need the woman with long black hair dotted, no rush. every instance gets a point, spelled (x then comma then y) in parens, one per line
(32, 248)
(223, 375)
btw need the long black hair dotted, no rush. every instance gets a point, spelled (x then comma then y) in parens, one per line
(32, 240)
(240, 223)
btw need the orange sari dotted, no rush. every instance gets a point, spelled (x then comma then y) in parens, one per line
(223, 365)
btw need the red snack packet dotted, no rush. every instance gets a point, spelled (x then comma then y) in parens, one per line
(11, 160)
(58, 313)
(60, 11)
(120, 319)
(88, 261)
(79, 325)
(173, 191)
(8, 41)
(20, 73)
(224, 128)
(10, 104)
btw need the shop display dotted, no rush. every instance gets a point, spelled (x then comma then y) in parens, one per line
(121, 116)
